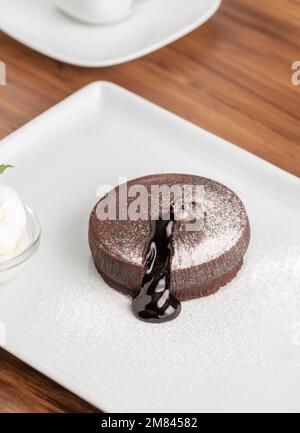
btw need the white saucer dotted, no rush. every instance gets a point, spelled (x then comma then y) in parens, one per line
(154, 24)
(237, 351)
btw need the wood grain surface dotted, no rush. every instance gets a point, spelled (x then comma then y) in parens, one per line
(232, 76)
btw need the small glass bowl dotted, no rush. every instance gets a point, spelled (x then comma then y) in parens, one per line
(11, 267)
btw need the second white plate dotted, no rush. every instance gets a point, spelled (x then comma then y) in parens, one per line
(154, 24)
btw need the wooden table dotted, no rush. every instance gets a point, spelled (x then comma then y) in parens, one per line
(232, 76)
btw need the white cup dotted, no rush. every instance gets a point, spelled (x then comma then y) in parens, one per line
(96, 11)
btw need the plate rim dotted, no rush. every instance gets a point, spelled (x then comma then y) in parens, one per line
(102, 85)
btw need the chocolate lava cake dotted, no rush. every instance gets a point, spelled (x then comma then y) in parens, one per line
(193, 264)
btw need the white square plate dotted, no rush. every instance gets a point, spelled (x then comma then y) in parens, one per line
(153, 25)
(235, 351)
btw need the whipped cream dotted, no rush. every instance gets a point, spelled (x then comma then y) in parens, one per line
(13, 222)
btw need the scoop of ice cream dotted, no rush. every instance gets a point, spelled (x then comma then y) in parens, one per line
(12, 221)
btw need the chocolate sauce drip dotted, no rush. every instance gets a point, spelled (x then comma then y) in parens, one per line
(155, 303)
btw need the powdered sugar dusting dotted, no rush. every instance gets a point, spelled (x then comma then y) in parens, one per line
(224, 225)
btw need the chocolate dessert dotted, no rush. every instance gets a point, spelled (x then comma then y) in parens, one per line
(168, 251)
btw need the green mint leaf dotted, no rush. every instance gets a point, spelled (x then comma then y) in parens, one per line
(5, 167)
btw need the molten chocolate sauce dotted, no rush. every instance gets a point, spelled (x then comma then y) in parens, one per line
(155, 303)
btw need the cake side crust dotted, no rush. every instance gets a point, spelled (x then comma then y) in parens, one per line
(202, 292)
